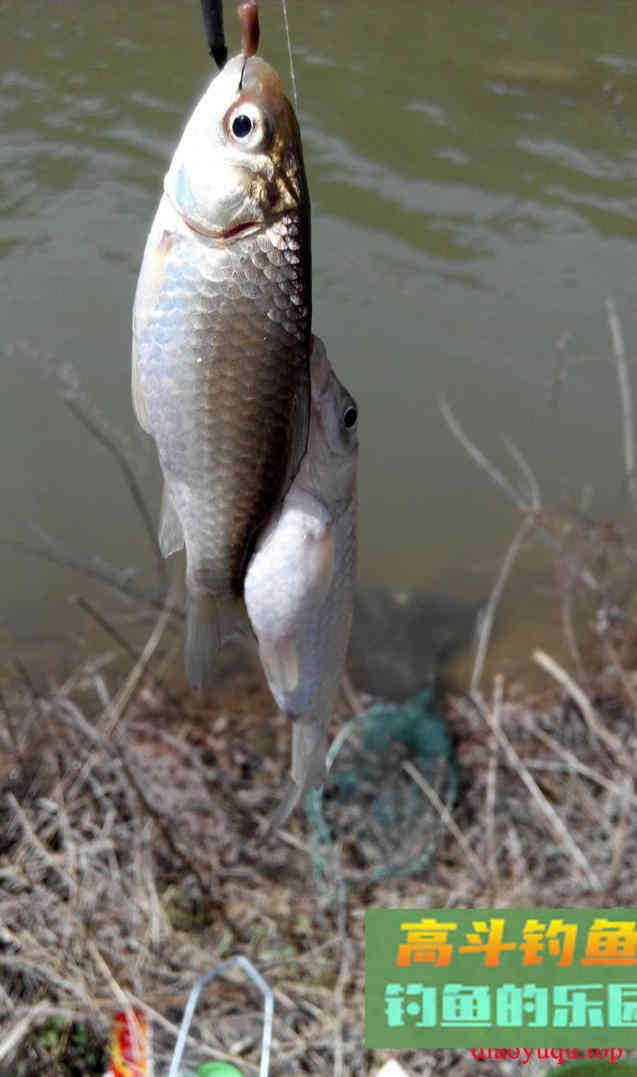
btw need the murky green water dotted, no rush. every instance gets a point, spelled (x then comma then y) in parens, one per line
(473, 174)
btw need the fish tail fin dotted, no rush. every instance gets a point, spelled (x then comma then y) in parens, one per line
(309, 748)
(210, 622)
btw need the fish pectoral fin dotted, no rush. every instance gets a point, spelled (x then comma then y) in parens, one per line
(139, 403)
(280, 661)
(300, 426)
(319, 557)
(210, 622)
(171, 533)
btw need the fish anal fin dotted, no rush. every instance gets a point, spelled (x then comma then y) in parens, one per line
(309, 748)
(171, 533)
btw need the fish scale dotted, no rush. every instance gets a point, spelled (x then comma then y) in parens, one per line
(230, 408)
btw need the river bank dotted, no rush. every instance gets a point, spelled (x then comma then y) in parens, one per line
(136, 853)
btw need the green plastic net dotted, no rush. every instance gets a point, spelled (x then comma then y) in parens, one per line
(372, 809)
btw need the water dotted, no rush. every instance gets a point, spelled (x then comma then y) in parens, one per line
(472, 171)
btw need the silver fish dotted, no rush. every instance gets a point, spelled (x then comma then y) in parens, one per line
(221, 339)
(300, 581)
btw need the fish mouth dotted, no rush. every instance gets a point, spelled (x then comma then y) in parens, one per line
(240, 229)
(235, 232)
(219, 234)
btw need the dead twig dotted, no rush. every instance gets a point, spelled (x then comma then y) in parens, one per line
(531, 508)
(582, 703)
(21, 1028)
(479, 458)
(488, 616)
(548, 811)
(621, 835)
(627, 685)
(571, 761)
(446, 817)
(344, 975)
(490, 841)
(113, 714)
(533, 499)
(117, 580)
(625, 396)
(105, 625)
(50, 859)
(96, 426)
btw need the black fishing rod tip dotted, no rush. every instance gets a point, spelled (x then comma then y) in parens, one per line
(212, 11)
(219, 54)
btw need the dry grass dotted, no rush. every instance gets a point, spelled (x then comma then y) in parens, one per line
(133, 862)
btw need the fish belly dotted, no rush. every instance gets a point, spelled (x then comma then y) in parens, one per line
(299, 593)
(222, 335)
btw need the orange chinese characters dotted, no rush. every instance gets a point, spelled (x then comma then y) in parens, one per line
(539, 940)
(491, 946)
(611, 942)
(426, 942)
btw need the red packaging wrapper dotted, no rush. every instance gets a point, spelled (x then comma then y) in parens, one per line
(131, 1049)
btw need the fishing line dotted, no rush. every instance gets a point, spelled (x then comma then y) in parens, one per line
(284, 5)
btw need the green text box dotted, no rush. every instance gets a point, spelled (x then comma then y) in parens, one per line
(501, 977)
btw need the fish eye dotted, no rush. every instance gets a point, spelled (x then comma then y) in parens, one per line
(249, 126)
(241, 126)
(350, 416)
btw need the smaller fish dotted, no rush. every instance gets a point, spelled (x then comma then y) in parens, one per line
(300, 581)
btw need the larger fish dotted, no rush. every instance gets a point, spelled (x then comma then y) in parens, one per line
(221, 339)
(300, 580)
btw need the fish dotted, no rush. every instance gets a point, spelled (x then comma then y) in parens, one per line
(299, 585)
(221, 340)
